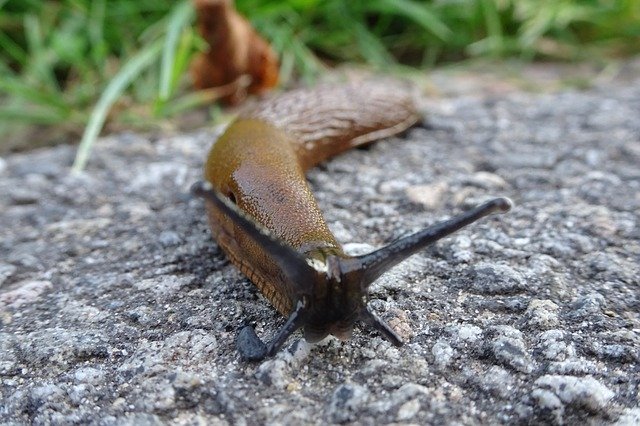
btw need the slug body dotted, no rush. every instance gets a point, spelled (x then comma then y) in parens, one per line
(264, 216)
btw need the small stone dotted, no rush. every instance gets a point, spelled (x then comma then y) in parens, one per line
(588, 306)
(429, 196)
(274, 372)
(154, 173)
(169, 239)
(617, 352)
(553, 347)
(46, 394)
(629, 417)
(548, 400)
(584, 392)
(491, 279)
(572, 366)
(497, 381)
(542, 314)
(166, 285)
(511, 352)
(408, 391)
(346, 402)
(487, 180)
(509, 349)
(442, 353)
(23, 196)
(78, 393)
(408, 410)
(89, 375)
(6, 271)
(26, 292)
(469, 333)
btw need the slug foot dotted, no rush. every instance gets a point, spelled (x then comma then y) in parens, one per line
(250, 346)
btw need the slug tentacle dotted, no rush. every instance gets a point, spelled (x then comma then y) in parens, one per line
(370, 266)
(372, 320)
(252, 348)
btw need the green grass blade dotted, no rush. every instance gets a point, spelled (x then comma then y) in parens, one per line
(179, 18)
(418, 12)
(20, 90)
(204, 97)
(96, 32)
(184, 54)
(13, 49)
(494, 27)
(30, 116)
(373, 51)
(132, 69)
(37, 52)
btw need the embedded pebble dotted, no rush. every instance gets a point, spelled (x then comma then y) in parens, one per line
(621, 353)
(409, 391)
(346, 402)
(6, 271)
(442, 353)
(89, 375)
(509, 348)
(487, 180)
(469, 333)
(577, 391)
(588, 306)
(548, 400)
(498, 382)
(169, 239)
(25, 293)
(273, 372)
(511, 352)
(554, 348)
(630, 417)
(491, 279)
(429, 196)
(166, 287)
(408, 410)
(573, 366)
(542, 314)
(155, 173)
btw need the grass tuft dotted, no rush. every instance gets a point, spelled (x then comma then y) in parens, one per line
(65, 64)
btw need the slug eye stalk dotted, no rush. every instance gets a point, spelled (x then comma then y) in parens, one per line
(370, 266)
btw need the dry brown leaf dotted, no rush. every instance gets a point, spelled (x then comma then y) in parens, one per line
(235, 49)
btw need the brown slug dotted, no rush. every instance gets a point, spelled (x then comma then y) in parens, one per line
(263, 215)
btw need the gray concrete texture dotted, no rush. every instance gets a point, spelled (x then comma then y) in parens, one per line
(117, 307)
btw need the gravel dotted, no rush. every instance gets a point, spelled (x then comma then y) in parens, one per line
(116, 307)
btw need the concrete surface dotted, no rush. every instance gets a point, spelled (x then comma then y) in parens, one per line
(116, 307)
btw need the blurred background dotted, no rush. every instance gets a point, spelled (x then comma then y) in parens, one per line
(72, 69)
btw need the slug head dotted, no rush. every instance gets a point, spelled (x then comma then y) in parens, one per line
(335, 302)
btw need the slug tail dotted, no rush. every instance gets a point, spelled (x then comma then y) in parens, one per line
(367, 268)
(331, 118)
